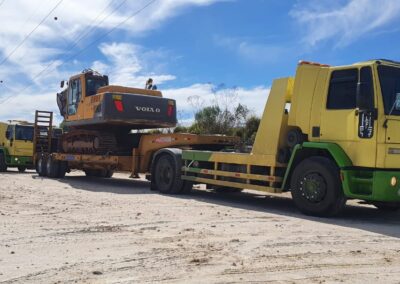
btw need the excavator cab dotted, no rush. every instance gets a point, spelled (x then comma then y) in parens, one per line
(78, 88)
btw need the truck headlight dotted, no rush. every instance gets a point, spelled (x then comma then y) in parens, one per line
(393, 181)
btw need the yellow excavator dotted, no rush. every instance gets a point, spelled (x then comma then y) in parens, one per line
(100, 117)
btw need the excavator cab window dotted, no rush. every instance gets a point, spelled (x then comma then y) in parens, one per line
(74, 95)
(93, 83)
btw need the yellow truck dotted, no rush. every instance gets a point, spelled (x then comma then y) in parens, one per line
(16, 146)
(329, 134)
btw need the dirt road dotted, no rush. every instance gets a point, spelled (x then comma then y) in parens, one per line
(118, 231)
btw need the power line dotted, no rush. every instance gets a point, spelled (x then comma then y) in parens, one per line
(84, 49)
(92, 26)
(28, 35)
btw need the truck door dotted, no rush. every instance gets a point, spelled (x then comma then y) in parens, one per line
(9, 141)
(341, 121)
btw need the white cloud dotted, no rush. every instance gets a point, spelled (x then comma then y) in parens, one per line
(24, 108)
(130, 65)
(324, 20)
(191, 98)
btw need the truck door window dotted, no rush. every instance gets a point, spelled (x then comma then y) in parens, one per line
(24, 133)
(389, 78)
(74, 95)
(343, 89)
(10, 132)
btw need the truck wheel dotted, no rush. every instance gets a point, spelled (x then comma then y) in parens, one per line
(294, 137)
(21, 169)
(387, 206)
(3, 165)
(167, 175)
(316, 188)
(52, 167)
(41, 167)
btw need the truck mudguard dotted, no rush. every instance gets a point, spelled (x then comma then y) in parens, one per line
(308, 149)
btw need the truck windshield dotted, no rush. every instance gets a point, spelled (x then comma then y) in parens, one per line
(24, 133)
(389, 78)
(93, 84)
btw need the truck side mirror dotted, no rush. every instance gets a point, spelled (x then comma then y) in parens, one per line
(62, 84)
(364, 98)
(8, 134)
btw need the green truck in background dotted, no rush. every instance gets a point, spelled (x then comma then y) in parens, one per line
(16, 145)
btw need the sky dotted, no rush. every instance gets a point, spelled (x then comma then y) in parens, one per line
(196, 51)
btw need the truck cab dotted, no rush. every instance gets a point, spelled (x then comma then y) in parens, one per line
(356, 107)
(16, 145)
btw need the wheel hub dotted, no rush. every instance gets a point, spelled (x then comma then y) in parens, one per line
(313, 187)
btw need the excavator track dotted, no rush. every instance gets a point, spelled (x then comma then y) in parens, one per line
(89, 142)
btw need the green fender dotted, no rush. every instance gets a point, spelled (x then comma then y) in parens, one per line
(309, 148)
(4, 150)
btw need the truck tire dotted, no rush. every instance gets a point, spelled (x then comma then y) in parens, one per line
(316, 187)
(294, 137)
(52, 167)
(167, 175)
(21, 169)
(41, 167)
(387, 206)
(3, 165)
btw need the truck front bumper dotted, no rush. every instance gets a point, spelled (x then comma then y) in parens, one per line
(20, 161)
(371, 184)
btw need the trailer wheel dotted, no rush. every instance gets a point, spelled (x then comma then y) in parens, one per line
(387, 206)
(316, 188)
(41, 167)
(52, 167)
(3, 165)
(21, 169)
(166, 175)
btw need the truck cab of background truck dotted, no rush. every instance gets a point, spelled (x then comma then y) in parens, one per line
(352, 112)
(16, 146)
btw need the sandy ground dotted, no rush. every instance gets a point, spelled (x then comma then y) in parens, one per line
(80, 230)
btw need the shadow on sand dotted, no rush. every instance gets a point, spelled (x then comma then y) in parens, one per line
(360, 217)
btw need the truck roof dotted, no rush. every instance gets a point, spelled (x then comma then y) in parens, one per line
(378, 61)
(371, 61)
(17, 122)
